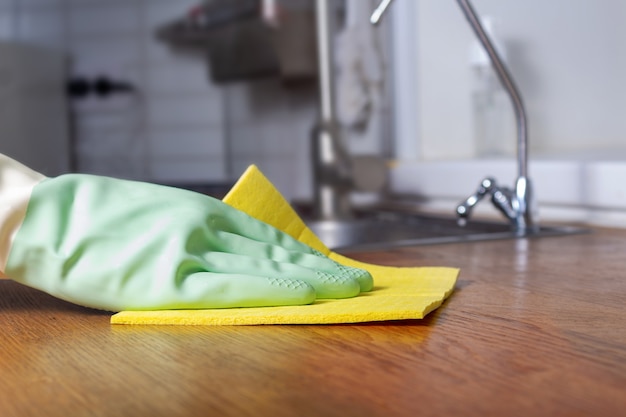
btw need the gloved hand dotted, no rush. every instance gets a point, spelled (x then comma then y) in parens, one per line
(123, 245)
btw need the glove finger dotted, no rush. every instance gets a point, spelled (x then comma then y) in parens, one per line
(235, 244)
(201, 290)
(240, 223)
(327, 285)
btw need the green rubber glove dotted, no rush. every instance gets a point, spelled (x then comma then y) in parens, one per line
(124, 245)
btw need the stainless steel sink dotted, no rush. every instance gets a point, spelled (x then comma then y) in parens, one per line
(380, 230)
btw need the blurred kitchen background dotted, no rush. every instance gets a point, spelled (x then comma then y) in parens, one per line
(153, 96)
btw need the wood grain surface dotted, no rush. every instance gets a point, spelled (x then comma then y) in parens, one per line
(534, 328)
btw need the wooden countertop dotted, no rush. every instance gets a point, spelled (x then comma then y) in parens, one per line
(534, 328)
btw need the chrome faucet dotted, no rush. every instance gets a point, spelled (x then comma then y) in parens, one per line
(518, 204)
(331, 163)
(335, 172)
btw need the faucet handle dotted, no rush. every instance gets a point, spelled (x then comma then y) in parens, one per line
(503, 198)
(464, 209)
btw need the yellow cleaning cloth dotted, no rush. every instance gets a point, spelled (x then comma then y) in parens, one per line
(398, 294)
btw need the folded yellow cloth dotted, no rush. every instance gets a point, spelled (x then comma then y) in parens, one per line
(398, 294)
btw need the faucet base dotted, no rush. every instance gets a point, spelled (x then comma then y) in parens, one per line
(516, 205)
(331, 174)
(332, 204)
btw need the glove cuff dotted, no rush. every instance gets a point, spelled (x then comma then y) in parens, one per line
(16, 185)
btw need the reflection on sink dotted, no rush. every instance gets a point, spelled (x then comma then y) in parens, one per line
(381, 230)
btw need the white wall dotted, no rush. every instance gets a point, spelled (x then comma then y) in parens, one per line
(568, 58)
(33, 107)
(172, 128)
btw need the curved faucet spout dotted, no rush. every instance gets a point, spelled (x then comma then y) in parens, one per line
(379, 12)
(507, 81)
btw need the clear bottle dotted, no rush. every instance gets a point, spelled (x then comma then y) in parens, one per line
(493, 116)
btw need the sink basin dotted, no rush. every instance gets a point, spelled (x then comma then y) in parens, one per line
(380, 230)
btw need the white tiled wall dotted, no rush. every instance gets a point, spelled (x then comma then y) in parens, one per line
(172, 128)
(270, 126)
(177, 126)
